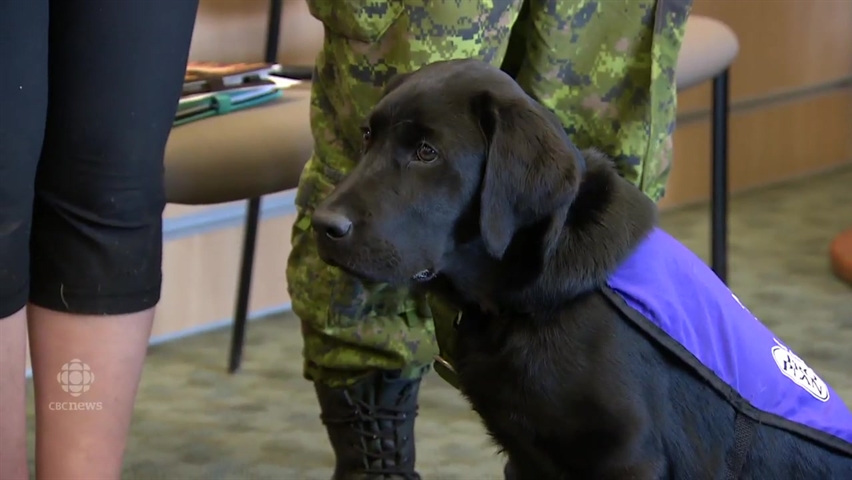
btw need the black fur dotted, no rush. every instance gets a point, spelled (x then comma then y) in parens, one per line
(512, 223)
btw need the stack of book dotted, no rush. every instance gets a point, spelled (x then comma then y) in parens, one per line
(211, 88)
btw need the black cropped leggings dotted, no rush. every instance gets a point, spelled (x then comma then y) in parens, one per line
(88, 91)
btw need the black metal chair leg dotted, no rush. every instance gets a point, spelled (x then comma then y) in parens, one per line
(238, 332)
(719, 200)
(273, 31)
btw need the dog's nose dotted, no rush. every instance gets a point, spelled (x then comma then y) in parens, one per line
(333, 224)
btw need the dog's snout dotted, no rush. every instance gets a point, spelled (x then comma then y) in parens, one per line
(333, 224)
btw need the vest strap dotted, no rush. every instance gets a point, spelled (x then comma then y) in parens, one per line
(744, 430)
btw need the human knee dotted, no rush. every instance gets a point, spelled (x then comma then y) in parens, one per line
(106, 190)
(96, 243)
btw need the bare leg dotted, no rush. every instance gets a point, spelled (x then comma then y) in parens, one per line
(83, 437)
(96, 240)
(13, 418)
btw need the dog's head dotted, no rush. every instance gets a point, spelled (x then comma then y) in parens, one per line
(453, 153)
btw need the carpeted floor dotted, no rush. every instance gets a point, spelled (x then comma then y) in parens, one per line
(193, 421)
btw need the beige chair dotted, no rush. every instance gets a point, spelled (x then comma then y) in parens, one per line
(709, 48)
(239, 156)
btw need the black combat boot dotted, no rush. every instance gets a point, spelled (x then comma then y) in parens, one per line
(371, 427)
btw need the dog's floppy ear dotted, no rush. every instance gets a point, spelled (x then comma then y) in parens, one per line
(531, 170)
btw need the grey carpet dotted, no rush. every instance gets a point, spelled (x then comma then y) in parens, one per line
(194, 421)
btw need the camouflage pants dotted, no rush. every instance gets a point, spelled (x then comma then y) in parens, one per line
(605, 67)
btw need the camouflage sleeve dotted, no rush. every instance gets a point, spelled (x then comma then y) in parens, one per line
(350, 328)
(607, 69)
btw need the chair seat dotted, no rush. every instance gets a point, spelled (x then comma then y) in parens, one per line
(242, 154)
(262, 150)
(709, 47)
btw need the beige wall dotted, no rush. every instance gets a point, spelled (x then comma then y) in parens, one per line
(788, 118)
(785, 122)
(235, 30)
(200, 273)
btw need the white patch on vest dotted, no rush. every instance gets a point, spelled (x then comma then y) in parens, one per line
(798, 371)
(794, 367)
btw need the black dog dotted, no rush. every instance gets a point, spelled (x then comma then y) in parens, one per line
(470, 188)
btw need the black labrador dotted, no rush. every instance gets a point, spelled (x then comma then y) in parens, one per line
(472, 190)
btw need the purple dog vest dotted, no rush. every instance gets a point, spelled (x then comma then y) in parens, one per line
(673, 296)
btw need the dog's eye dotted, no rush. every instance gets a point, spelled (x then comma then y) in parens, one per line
(366, 135)
(426, 154)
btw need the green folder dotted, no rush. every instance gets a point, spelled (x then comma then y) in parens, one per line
(197, 107)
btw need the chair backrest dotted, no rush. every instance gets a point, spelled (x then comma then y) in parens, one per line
(235, 31)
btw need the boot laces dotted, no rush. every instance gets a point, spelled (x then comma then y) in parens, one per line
(387, 420)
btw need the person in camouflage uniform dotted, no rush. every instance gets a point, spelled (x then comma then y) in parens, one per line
(605, 67)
